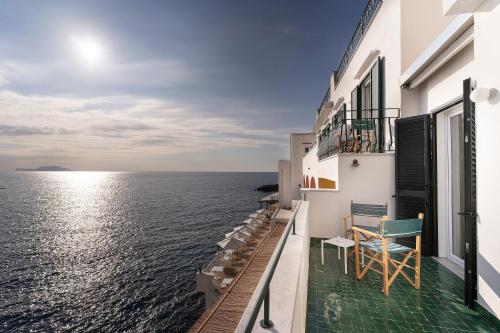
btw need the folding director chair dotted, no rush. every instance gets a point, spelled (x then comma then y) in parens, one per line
(380, 249)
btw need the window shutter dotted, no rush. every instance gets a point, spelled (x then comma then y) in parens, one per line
(377, 85)
(377, 96)
(414, 176)
(354, 102)
(470, 196)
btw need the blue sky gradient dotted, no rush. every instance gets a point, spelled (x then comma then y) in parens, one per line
(183, 86)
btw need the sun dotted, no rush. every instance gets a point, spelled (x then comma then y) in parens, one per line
(89, 49)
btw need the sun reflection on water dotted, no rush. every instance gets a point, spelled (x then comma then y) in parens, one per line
(80, 235)
(112, 252)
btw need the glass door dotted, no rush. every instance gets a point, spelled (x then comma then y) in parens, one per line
(455, 182)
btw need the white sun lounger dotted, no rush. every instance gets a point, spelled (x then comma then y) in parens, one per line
(248, 221)
(247, 229)
(231, 243)
(226, 282)
(217, 269)
(240, 234)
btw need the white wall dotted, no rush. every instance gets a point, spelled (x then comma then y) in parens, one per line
(415, 36)
(479, 61)
(487, 74)
(371, 182)
(327, 168)
(451, 7)
(384, 34)
(284, 178)
(310, 163)
(300, 306)
(298, 144)
(443, 86)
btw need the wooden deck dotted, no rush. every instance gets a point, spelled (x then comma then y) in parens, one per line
(226, 314)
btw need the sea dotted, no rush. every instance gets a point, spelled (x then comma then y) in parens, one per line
(113, 251)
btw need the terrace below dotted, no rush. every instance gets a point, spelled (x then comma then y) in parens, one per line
(226, 313)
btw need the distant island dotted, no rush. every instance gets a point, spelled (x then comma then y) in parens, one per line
(45, 168)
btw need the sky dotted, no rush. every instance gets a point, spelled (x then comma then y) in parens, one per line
(191, 85)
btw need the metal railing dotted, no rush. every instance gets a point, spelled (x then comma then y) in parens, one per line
(366, 18)
(358, 131)
(262, 291)
(324, 102)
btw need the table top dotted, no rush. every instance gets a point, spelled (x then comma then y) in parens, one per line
(339, 241)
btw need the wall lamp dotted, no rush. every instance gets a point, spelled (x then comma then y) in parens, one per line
(481, 94)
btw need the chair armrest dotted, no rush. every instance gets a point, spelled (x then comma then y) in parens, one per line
(346, 223)
(366, 232)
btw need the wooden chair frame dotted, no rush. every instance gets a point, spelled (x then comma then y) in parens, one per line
(384, 259)
(365, 138)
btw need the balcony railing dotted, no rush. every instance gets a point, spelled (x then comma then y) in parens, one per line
(262, 291)
(324, 102)
(366, 18)
(358, 131)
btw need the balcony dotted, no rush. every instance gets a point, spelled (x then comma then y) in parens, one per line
(366, 18)
(337, 302)
(323, 111)
(358, 131)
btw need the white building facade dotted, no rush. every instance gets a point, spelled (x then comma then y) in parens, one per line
(409, 119)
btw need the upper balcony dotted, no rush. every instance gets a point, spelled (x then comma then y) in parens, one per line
(323, 110)
(369, 12)
(358, 131)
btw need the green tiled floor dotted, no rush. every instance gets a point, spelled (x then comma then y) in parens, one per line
(338, 303)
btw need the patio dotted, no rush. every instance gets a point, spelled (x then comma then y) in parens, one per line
(338, 303)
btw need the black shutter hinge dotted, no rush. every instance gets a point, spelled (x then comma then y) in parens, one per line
(469, 214)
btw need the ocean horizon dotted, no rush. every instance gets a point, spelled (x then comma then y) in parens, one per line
(113, 251)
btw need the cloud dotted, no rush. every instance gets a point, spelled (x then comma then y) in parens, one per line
(107, 78)
(123, 127)
(120, 127)
(6, 130)
(104, 124)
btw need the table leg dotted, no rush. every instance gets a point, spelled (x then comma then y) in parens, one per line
(345, 260)
(338, 250)
(356, 253)
(363, 257)
(322, 254)
(385, 263)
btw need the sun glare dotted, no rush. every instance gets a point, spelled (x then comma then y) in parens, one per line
(89, 49)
